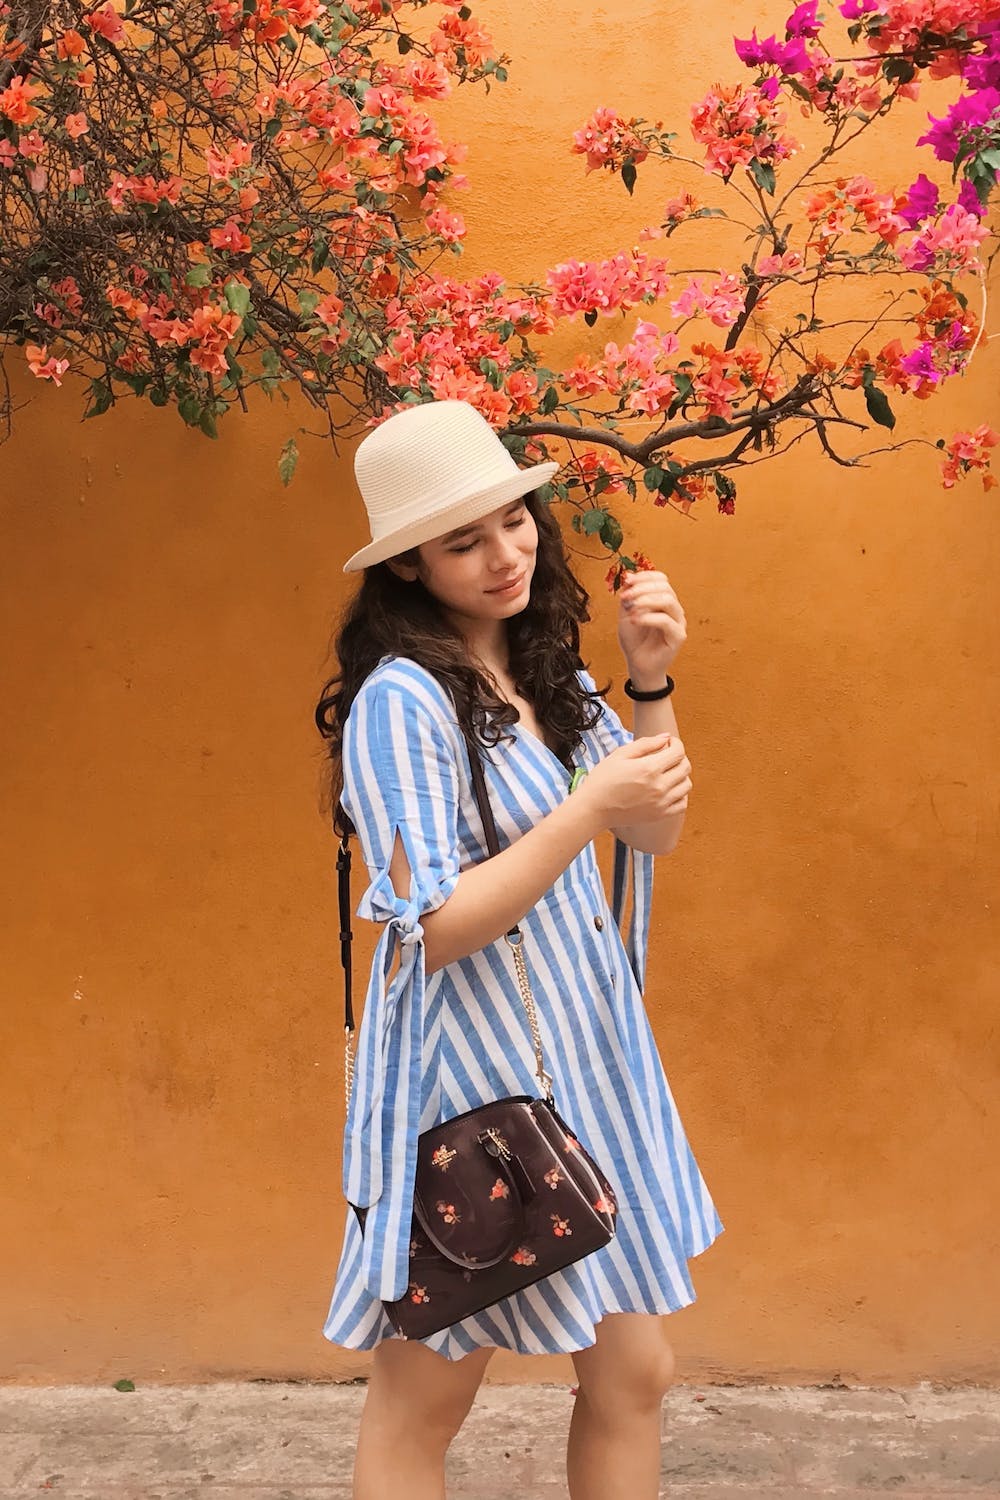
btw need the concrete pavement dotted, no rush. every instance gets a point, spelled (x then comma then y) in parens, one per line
(264, 1441)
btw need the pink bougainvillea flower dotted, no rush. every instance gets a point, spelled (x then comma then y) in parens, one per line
(230, 237)
(609, 140)
(15, 101)
(223, 164)
(970, 113)
(70, 46)
(427, 79)
(789, 57)
(966, 451)
(921, 201)
(45, 366)
(722, 303)
(450, 227)
(107, 23)
(76, 125)
(802, 21)
(951, 242)
(738, 125)
(779, 265)
(328, 311)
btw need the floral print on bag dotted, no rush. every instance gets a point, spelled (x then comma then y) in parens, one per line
(448, 1212)
(499, 1190)
(418, 1294)
(524, 1257)
(560, 1226)
(553, 1177)
(443, 1158)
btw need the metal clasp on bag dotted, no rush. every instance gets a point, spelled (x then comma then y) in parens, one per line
(501, 1147)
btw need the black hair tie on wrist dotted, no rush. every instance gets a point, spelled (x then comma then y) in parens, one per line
(654, 697)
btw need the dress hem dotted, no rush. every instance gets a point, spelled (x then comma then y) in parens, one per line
(477, 1339)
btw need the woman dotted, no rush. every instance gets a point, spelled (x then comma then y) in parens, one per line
(468, 618)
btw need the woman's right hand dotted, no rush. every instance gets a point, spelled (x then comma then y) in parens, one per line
(641, 782)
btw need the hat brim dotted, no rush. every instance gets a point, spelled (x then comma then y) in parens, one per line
(451, 518)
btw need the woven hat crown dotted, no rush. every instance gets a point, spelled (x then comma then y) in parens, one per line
(430, 469)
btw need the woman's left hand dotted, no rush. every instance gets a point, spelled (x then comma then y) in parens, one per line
(651, 625)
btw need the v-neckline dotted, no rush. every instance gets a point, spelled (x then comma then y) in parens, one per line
(521, 728)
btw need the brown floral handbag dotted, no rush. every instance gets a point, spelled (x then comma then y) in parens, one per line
(505, 1194)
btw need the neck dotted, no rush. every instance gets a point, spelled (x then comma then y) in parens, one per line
(486, 641)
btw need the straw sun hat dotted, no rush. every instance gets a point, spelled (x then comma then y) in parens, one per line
(431, 469)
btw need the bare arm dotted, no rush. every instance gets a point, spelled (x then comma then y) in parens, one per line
(661, 837)
(651, 630)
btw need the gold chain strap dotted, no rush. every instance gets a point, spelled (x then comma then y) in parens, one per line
(348, 1063)
(516, 945)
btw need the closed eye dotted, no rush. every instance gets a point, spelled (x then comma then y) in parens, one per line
(508, 526)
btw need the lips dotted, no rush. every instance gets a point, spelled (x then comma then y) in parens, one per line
(508, 588)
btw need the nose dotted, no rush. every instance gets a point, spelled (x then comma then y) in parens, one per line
(505, 555)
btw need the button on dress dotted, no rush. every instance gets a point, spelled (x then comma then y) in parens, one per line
(430, 1047)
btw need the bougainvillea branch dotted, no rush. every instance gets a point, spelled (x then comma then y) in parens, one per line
(205, 202)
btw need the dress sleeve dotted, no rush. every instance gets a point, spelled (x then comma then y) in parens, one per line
(609, 732)
(401, 775)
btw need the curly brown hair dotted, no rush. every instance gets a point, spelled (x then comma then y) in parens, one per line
(387, 617)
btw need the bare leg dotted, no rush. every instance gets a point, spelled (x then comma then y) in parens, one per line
(614, 1437)
(416, 1402)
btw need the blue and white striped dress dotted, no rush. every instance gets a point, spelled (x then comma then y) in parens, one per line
(429, 1048)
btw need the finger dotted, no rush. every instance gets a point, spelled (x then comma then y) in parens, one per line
(651, 744)
(636, 604)
(645, 615)
(644, 576)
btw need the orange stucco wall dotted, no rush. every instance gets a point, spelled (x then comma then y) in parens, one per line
(824, 978)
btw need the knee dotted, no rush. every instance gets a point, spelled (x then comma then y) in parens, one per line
(635, 1389)
(420, 1402)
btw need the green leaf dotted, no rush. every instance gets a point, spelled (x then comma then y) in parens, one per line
(653, 477)
(611, 533)
(492, 371)
(629, 175)
(307, 303)
(899, 70)
(288, 461)
(763, 175)
(100, 398)
(189, 410)
(878, 407)
(549, 401)
(404, 43)
(590, 318)
(685, 385)
(207, 422)
(593, 520)
(198, 276)
(271, 361)
(124, 1385)
(321, 253)
(238, 297)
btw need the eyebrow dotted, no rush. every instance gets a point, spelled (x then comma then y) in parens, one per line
(453, 536)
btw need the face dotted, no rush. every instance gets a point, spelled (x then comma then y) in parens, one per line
(484, 571)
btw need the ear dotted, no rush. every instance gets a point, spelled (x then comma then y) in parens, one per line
(406, 571)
